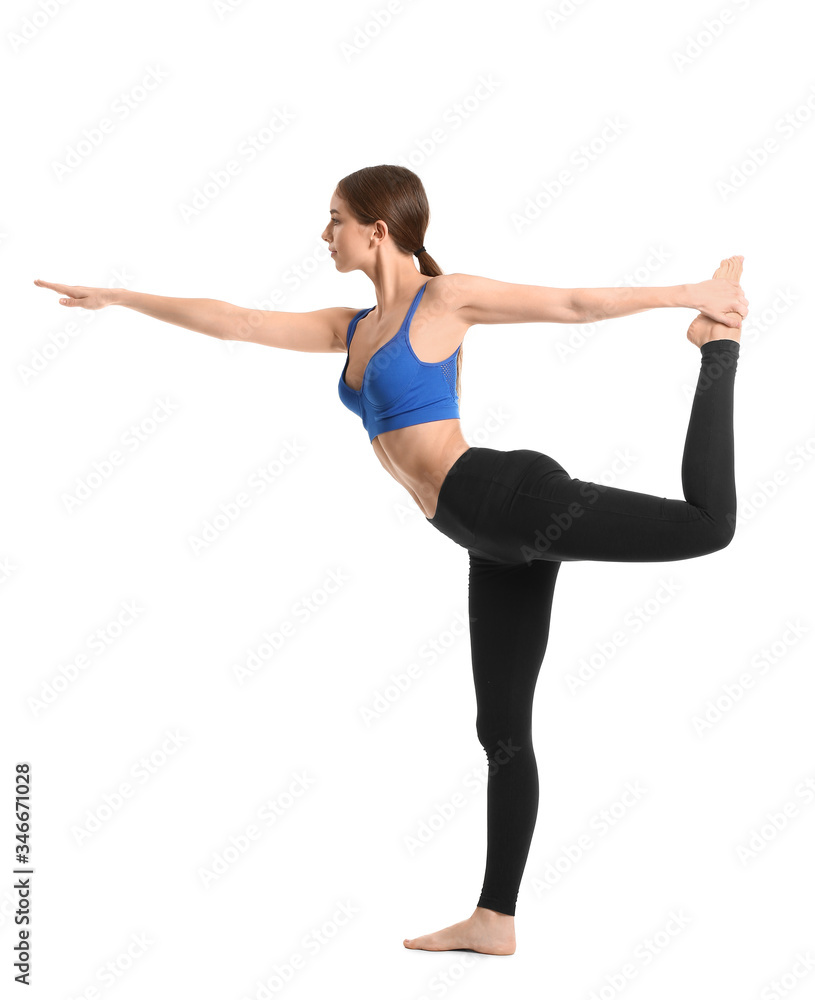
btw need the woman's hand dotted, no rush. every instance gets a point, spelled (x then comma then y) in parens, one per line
(79, 295)
(719, 298)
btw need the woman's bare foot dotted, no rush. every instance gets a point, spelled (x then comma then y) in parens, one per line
(486, 931)
(703, 328)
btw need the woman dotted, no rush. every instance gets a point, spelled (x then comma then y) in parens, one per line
(518, 513)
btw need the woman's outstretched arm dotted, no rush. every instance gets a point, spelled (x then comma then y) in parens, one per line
(210, 316)
(718, 299)
(321, 331)
(484, 300)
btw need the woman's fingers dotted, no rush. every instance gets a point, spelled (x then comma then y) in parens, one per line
(78, 294)
(62, 289)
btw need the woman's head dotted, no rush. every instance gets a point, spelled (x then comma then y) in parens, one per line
(365, 200)
(386, 208)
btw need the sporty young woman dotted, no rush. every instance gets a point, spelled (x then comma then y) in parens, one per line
(518, 513)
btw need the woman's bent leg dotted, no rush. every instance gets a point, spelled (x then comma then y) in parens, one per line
(547, 515)
(510, 608)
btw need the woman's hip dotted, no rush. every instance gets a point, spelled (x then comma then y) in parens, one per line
(483, 486)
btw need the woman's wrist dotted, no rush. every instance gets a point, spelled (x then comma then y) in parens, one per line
(684, 296)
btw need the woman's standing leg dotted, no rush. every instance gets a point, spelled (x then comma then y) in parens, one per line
(510, 610)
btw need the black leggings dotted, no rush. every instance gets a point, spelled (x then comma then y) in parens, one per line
(519, 514)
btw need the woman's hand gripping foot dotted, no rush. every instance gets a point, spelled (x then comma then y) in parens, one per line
(703, 328)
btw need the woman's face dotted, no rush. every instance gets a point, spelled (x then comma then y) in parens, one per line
(344, 235)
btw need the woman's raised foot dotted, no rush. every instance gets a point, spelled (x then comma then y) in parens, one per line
(703, 328)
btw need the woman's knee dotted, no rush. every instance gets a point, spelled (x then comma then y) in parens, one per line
(715, 539)
(726, 531)
(719, 533)
(503, 738)
(507, 749)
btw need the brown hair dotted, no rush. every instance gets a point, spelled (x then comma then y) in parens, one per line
(397, 196)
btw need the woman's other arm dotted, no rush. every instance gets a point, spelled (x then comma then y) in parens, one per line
(484, 300)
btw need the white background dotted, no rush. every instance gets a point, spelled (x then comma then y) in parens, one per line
(694, 90)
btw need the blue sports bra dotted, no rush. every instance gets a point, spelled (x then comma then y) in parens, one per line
(399, 390)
